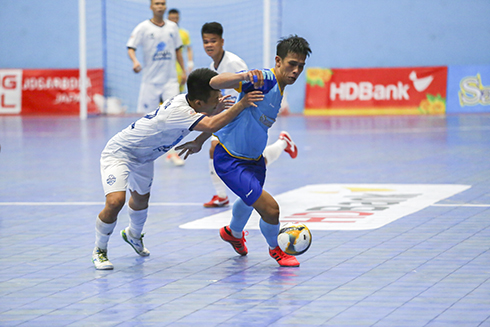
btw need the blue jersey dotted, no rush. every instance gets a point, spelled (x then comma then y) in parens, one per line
(246, 135)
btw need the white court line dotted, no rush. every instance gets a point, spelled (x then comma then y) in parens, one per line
(461, 205)
(178, 204)
(91, 204)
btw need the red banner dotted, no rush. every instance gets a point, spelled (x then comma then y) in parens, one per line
(47, 91)
(376, 91)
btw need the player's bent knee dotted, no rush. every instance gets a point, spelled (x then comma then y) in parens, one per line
(138, 201)
(273, 214)
(115, 201)
(268, 210)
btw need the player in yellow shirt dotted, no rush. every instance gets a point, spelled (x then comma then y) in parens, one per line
(174, 16)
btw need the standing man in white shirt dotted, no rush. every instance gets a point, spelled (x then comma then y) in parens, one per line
(161, 45)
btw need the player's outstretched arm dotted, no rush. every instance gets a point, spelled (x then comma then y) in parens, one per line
(232, 80)
(212, 124)
(191, 147)
(215, 123)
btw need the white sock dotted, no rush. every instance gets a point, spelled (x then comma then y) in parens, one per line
(218, 184)
(236, 234)
(273, 151)
(137, 221)
(103, 232)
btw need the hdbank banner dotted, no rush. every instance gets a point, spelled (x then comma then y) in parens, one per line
(376, 91)
(47, 91)
(468, 89)
(345, 206)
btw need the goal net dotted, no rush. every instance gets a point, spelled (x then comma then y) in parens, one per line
(251, 30)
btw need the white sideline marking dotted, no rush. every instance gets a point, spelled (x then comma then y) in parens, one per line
(91, 204)
(182, 204)
(461, 205)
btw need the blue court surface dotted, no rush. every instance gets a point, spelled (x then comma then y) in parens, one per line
(425, 262)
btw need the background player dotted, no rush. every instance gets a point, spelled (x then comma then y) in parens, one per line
(127, 161)
(174, 16)
(161, 44)
(228, 62)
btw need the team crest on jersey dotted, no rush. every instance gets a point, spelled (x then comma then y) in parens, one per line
(111, 179)
(161, 53)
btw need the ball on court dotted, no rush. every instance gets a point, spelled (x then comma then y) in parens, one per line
(294, 239)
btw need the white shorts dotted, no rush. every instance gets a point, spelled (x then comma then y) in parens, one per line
(119, 175)
(151, 95)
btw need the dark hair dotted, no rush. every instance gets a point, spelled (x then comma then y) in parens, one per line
(212, 28)
(198, 87)
(173, 11)
(294, 44)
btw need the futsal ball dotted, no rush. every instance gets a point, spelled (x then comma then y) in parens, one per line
(294, 239)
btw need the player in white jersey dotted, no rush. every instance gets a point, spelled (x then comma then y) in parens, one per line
(161, 45)
(228, 62)
(127, 161)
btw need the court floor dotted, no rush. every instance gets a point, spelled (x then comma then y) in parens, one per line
(428, 267)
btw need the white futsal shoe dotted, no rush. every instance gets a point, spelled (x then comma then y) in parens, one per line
(136, 243)
(100, 260)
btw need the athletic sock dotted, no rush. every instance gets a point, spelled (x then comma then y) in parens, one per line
(218, 184)
(241, 213)
(103, 232)
(273, 151)
(137, 221)
(270, 233)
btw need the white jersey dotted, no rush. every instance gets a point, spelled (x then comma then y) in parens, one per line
(230, 63)
(154, 134)
(159, 45)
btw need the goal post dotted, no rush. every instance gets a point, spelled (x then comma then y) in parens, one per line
(82, 44)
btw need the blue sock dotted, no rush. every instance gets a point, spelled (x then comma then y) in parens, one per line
(241, 213)
(270, 232)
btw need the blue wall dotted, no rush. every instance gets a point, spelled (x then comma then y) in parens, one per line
(389, 33)
(38, 34)
(342, 33)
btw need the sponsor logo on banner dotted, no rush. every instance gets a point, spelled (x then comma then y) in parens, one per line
(419, 90)
(345, 206)
(10, 91)
(47, 91)
(472, 92)
(468, 89)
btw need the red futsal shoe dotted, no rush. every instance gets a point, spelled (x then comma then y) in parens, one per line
(283, 259)
(217, 202)
(238, 244)
(291, 148)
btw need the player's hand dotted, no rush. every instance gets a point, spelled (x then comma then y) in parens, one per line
(256, 77)
(137, 67)
(188, 148)
(190, 66)
(251, 97)
(223, 104)
(183, 79)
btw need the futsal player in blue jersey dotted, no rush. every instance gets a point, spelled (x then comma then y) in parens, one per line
(238, 157)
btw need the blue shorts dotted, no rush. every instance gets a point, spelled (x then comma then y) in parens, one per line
(244, 177)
